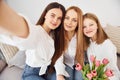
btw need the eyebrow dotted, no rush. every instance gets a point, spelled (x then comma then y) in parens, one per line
(55, 14)
(69, 16)
(52, 13)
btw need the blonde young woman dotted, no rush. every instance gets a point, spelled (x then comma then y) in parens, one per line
(73, 52)
(98, 44)
(38, 40)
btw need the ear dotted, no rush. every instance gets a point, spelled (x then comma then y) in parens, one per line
(45, 16)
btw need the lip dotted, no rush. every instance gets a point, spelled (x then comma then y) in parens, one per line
(88, 32)
(54, 24)
(68, 26)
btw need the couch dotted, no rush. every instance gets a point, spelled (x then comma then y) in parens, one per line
(13, 60)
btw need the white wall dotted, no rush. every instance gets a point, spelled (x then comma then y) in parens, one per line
(108, 11)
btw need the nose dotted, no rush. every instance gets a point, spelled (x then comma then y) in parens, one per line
(69, 22)
(87, 28)
(55, 19)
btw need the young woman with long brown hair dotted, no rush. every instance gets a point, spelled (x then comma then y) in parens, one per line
(38, 40)
(73, 51)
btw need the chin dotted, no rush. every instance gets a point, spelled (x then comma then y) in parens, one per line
(89, 36)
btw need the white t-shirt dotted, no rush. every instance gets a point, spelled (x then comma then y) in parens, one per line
(39, 46)
(105, 50)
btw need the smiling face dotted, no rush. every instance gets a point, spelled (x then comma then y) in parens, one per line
(53, 18)
(70, 21)
(90, 28)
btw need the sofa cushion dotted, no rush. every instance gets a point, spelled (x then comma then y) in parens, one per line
(114, 34)
(2, 62)
(18, 60)
(2, 65)
(8, 51)
(11, 73)
(1, 56)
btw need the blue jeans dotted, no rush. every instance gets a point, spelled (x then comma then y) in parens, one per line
(74, 74)
(31, 73)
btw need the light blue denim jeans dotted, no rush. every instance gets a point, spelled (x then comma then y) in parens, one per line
(74, 74)
(31, 73)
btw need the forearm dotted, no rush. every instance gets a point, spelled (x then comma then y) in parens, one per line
(60, 77)
(60, 67)
(11, 21)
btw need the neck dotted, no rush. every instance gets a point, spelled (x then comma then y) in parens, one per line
(46, 28)
(94, 38)
(70, 35)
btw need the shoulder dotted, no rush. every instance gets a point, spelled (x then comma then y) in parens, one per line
(109, 44)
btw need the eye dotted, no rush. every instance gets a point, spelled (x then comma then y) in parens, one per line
(59, 18)
(74, 20)
(84, 27)
(91, 24)
(67, 17)
(52, 15)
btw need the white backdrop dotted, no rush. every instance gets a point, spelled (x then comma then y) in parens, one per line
(108, 11)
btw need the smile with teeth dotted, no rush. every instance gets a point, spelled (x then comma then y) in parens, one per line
(88, 32)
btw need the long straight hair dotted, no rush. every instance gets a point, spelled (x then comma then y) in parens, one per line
(58, 33)
(79, 56)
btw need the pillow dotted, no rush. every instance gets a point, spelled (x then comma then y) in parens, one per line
(114, 34)
(8, 51)
(1, 56)
(2, 65)
(18, 60)
(2, 62)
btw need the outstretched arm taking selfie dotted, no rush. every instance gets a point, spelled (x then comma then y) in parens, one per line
(34, 38)
(11, 22)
